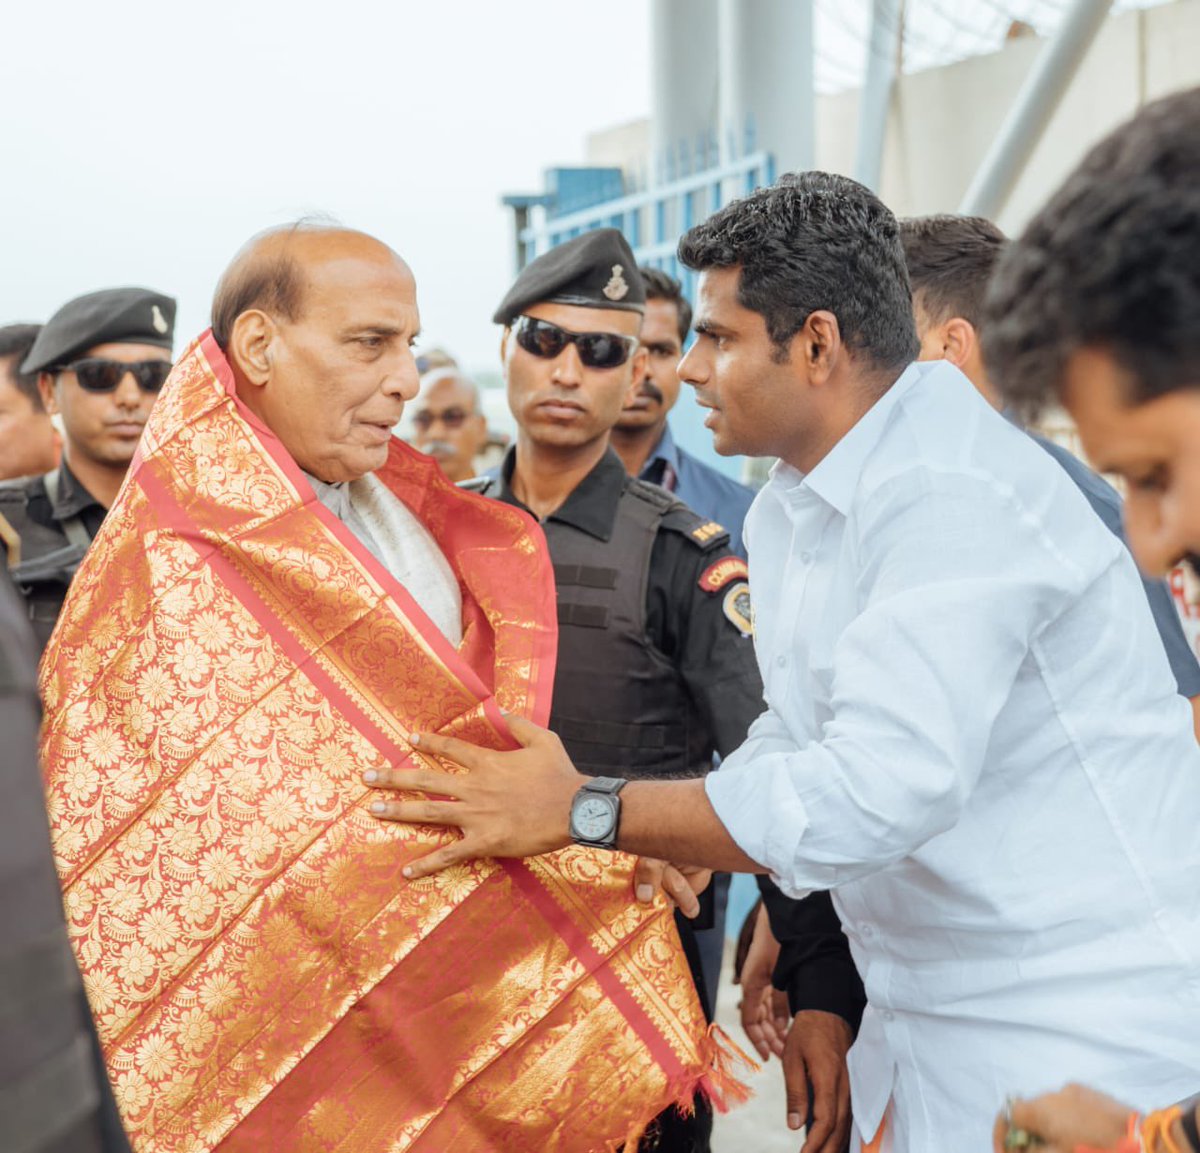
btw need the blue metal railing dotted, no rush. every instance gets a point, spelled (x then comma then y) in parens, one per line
(654, 219)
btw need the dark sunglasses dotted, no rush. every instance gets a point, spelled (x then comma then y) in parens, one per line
(596, 349)
(450, 418)
(96, 374)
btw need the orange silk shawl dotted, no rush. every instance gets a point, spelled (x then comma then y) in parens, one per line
(229, 661)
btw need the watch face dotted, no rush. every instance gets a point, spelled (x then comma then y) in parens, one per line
(593, 818)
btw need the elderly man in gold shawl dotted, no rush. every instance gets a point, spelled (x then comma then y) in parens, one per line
(280, 595)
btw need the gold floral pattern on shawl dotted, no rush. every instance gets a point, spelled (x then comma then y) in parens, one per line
(223, 672)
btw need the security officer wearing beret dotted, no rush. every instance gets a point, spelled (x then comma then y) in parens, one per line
(101, 360)
(656, 667)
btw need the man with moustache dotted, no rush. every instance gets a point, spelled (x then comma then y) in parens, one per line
(655, 665)
(100, 362)
(448, 424)
(642, 438)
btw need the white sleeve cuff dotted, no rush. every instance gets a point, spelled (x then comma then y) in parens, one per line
(759, 807)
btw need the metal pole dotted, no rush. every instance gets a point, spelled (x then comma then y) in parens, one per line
(731, 82)
(1052, 73)
(520, 223)
(806, 70)
(883, 57)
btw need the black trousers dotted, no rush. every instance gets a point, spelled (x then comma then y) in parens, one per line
(672, 1132)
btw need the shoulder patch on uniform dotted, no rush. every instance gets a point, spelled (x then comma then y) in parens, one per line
(721, 572)
(738, 609)
(704, 534)
(706, 531)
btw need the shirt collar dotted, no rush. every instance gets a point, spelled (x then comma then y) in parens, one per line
(665, 450)
(73, 498)
(334, 496)
(592, 506)
(835, 477)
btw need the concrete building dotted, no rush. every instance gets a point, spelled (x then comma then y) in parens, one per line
(735, 102)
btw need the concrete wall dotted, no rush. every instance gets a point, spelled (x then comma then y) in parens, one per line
(942, 120)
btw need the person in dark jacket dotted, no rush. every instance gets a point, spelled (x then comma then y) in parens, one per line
(54, 1093)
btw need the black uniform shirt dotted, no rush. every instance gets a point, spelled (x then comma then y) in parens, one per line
(24, 502)
(48, 556)
(685, 623)
(73, 500)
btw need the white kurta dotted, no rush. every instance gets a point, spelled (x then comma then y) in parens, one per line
(973, 737)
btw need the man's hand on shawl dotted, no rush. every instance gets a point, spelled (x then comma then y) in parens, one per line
(507, 804)
(682, 884)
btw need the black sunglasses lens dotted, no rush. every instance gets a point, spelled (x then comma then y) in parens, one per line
(104, 375)
(601, 350)
(98, 375)
(151, 374)
(541, 339)
(596, 349)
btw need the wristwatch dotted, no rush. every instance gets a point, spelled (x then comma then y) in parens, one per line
(596, 812)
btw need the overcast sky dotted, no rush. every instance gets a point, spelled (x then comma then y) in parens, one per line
(142, 143)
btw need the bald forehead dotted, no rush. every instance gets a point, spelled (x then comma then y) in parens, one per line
(311, 249)
(448, 387)
(287, 270)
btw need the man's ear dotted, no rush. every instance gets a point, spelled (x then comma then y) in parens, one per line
(250, 345)
(817, 346)
(48, 392)
(960, 340)
(504, 344)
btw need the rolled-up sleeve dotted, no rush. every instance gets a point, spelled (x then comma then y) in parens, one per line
(954, 582)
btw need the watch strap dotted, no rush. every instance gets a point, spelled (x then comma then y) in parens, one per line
(609, 785)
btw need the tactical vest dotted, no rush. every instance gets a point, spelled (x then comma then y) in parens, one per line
(621, 707)
(49, 554)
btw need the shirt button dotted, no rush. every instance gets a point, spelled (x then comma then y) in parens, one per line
(888, 1015)
(806, 558)
(781, 661)
(868, 930)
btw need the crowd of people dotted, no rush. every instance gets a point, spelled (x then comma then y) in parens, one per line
(379, 774)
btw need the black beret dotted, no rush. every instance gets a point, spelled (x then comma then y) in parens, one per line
(595, 270)
(110, 316)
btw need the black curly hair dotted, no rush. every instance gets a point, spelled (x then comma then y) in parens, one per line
(1111, 262)
(815, 241)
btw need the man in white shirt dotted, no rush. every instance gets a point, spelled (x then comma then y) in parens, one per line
(972, 735)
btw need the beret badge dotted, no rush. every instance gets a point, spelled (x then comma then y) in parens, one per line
(616, 288)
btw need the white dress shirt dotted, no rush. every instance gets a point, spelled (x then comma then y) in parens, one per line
(973, 737)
